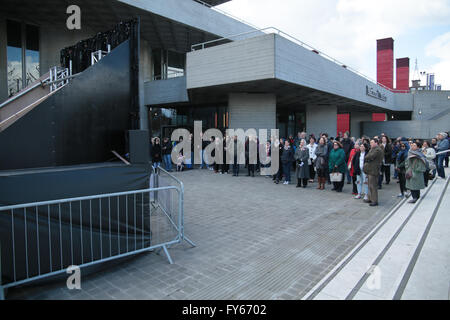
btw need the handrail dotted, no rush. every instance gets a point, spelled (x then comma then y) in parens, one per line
(45, 83)
(302, 44)
(21, 93)
(98, 196)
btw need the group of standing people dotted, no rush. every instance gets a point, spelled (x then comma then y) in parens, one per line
(364, 162)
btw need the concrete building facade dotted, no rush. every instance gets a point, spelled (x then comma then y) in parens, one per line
(197, 63)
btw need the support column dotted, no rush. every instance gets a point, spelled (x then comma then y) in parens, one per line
(321, 119)
(144, 68)
(252, 111)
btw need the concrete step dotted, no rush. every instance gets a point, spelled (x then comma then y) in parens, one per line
(380, 266)
(430, 277)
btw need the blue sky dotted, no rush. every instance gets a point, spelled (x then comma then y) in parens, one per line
(347, 30)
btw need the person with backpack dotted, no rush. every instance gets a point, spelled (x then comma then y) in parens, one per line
(415, 166)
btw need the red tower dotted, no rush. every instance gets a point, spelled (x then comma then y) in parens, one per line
(385, 62)
(402, 74)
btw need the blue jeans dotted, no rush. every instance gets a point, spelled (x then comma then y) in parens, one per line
(361, 185)
(203, 161)
(440, 165)
(167, 162)
(190, 165)
(156, 164)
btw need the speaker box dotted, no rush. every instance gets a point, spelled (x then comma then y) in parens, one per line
(139, 146)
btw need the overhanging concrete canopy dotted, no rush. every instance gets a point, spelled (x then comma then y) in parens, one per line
(271, 57)
(168, 24)
(214, 2)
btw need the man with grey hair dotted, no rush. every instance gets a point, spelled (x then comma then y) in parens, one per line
(443, 145)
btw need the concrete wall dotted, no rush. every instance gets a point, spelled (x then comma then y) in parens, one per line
(431, 104)
(356, 119)
(301, 66)
(3, 64)
(165, 91)
(193, 14)
(256, 111)
(321, 119)
(53, 39)
(403, 101)
(423, 129)
(272, 56)
(235, 62)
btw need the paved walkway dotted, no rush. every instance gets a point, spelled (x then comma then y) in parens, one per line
(255, 240)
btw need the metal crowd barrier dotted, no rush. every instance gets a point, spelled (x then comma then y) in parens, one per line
(43, 239)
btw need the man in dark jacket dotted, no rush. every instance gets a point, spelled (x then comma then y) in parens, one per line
(443, 145)
(166, 152)
(372, 166)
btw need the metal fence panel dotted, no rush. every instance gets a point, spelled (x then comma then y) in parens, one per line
(43, 239)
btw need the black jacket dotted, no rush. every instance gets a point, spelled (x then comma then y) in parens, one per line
(287, 156)
(156, 153)
(355, 164)
(166, 148)
(348, 145)
(388, 154)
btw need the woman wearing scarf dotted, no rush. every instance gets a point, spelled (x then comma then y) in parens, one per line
(351, 168)
(321, 163)
(415, 167)
(302, 170)
(312, 146)
(362, 185)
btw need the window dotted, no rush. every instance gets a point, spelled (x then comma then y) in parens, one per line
(22, 55)
(14, 56)
(32, 54)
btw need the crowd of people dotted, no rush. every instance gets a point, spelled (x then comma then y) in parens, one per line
(364, 162)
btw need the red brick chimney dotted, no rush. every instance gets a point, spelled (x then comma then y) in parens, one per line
(385, 62)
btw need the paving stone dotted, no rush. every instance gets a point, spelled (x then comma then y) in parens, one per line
(254, 240)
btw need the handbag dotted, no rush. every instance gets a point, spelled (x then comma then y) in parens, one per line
(408, 174)
(336, 177)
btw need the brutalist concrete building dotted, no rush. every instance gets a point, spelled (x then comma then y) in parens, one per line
(189, 62)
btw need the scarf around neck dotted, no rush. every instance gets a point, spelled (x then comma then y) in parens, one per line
(416, 154)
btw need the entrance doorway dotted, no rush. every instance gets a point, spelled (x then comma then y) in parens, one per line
(289, 122)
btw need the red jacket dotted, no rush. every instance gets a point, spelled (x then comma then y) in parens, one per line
(350, 158)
